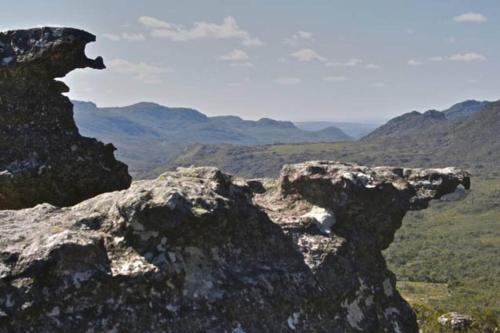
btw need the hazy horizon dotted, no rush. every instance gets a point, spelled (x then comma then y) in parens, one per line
(287, 60)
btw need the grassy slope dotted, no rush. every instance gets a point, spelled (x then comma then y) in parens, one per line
(456, 244)
(267, 160)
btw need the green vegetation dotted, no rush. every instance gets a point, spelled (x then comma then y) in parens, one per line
(447, 258)
(484, 321)
(430, 300)
(267, 160)
(428, 293)
(454, 247)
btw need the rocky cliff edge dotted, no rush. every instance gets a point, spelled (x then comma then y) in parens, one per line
(197, 250)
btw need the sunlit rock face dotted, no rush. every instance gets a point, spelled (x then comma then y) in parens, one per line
(197, 250)
(43, 158)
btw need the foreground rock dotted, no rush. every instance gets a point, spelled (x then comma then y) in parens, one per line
(199, 251)
(43, 158)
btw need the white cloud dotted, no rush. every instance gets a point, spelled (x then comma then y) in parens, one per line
(468, 57)
(242, 64)
(235, 55)
(372, 66)
(379, 85)
(413, 62)
(353, 62)
(334, 78)
(128, 36)
(287, 80)
(333, 64)
(298, 37)
(239, 83)
(124, 35)
(306, 55)
(460, 57)
(228, 29)
(139, 70)
(154, 23)
(305, 35)
(436, 59)
(252, 42)
(471, 18)
(112, 37)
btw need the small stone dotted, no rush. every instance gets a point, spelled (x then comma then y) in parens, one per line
(455, 321)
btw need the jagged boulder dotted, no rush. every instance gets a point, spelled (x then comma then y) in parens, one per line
(197, 250)
(43, 158)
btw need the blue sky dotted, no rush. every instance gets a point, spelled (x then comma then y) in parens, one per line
(295, 60)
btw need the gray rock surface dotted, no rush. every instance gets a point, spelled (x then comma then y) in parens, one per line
(456, 321)
(197, 250)
(43, 158)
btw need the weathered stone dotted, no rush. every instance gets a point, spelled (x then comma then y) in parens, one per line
(43, 158)
(324, 219)
(455, 321)
(197, 250)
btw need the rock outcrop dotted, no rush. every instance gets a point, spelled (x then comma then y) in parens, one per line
(43, 158)
(197, 250)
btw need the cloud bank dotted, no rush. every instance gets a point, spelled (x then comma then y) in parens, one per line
(470, 18)
(228, 29)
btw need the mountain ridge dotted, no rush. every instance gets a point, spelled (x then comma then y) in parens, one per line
(430, 122)
(353, 129)
(471, 142)
(149, 134)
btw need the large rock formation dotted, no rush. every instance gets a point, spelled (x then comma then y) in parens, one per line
(43, 158)
(197, 250)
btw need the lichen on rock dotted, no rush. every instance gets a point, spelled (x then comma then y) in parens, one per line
(43, 158)
(197, 250)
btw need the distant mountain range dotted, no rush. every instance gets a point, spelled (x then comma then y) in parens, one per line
(151, 138)
(431, 122)
(148, 135)
(465, 109)
(355, 130)
(466, 135)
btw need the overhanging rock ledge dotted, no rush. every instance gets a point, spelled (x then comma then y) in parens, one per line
(43, 158)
